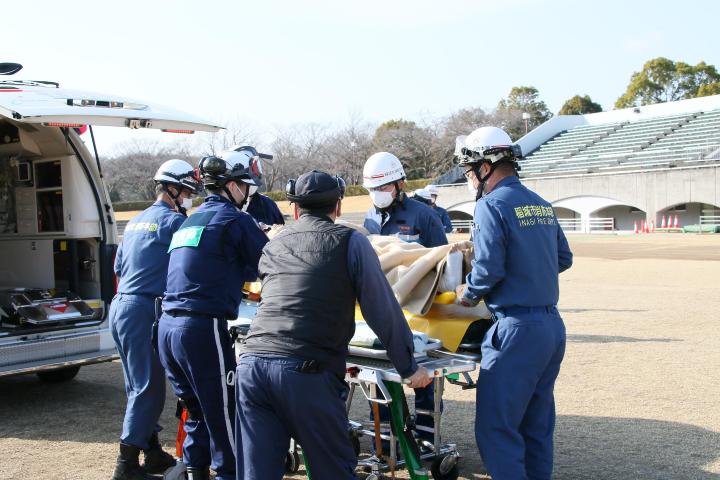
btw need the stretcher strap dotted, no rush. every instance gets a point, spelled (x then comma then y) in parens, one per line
(399, 412)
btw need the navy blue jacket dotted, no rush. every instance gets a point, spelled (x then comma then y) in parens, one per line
(141, 261)
(444, 218)
(264, 210)
(519, 249)
(409, 220)
(215, 251)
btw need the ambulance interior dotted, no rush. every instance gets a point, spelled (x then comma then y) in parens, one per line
(50, 233)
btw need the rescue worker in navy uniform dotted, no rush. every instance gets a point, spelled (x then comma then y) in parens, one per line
(395, 214)
(262, 208)
(519, 251)
(444, 217)
(289, 380)
(215, 251)
(425, 196)
(141, 264)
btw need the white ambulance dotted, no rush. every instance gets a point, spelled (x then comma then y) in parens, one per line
(58, 235)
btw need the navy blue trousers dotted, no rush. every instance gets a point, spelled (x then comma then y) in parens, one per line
(197, 354)
(275, 402)
(515, 419)
(131, 319)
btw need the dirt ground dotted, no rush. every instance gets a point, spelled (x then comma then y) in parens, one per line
(637, 396)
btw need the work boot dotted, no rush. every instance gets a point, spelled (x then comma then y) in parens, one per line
(128, 466)
(194, 473)
(157, 460)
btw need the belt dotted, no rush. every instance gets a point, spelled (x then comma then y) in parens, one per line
(515, 310)
(188, 313)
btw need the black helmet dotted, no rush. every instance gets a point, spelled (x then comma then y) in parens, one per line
(217, 170)
(315, 189)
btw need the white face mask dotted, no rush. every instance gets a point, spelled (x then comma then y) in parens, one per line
(381, 199)
(186, 203)
(253, 189)
(471, 185)
(240, 192)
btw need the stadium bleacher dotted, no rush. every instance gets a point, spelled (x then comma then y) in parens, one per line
(660, 142)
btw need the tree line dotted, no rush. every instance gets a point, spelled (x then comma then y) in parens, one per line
(425, 147)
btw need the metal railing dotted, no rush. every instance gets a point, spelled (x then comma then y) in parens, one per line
(570, 224)
(708, 221)
(462, 226)
(592, 225)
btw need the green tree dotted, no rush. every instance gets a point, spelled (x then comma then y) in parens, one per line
(663, 80)
(709, 89)
(578, 105)
(521, 100)
(115, 196)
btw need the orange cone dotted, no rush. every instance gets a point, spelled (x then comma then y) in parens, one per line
(663, 224)
(677, 222)
(635, 227)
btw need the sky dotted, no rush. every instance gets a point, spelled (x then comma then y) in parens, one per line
(273, 64)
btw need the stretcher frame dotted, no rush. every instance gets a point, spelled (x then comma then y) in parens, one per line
(380, 383)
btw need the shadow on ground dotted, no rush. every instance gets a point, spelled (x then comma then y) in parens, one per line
(616, 339)
(89, 409)
(608, 310)
(631, 448)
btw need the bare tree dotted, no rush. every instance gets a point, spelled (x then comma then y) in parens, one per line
(130, 171)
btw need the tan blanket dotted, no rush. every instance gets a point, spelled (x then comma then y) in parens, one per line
(414, 271)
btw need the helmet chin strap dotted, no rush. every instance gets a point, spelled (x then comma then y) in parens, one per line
(483, 180)
(178, 205)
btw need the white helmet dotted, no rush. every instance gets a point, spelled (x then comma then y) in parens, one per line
(433, 189)
(486, 144)
(423, 193)
(382, 168)
(179, 173)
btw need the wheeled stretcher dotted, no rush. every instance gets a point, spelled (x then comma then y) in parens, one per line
(370, 371)
(382, 385)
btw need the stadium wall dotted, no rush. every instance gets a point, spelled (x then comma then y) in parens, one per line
(627, 197)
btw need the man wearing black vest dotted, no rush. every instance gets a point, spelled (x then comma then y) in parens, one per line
(289, 379)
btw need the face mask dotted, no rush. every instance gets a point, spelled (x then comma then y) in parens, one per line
(381, 199)
(253, 189)
(186, 203)
(471, 185)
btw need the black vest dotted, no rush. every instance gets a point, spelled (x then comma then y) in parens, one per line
(308, 301)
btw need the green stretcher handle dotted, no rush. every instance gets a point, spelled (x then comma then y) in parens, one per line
(397, 417)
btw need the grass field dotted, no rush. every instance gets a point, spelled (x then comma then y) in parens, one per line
(637, 396)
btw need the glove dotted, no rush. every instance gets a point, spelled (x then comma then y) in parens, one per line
(460, 297)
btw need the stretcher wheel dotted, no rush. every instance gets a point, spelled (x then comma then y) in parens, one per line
(445, 468)
(292, 462)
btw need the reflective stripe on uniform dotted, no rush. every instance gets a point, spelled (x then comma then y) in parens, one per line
(223, 386)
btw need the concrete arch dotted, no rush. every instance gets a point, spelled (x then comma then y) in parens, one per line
(688, 213)
(589, 204)
(588, 209)
(467, 208)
